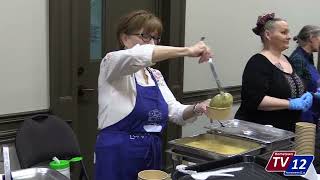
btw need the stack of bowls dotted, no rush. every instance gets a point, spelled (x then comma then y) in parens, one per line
(305, 138)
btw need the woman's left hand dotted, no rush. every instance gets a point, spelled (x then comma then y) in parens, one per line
(317, 94)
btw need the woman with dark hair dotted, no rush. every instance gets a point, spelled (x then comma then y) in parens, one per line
(134, 100)
(301, 58)
(272, 92)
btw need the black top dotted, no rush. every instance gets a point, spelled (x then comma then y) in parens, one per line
(261, 78)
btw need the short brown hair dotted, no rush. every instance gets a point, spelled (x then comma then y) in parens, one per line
(137, 20)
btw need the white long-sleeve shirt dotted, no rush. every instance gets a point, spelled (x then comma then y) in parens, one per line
(117, 88)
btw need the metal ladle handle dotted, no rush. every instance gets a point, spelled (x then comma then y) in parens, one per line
(214, 73)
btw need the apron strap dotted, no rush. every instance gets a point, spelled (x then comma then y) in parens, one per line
(152, 76)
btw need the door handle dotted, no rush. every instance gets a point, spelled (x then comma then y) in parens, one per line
(82, 90)
(87, 89)
(80, 71)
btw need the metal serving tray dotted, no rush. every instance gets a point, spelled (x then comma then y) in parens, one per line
(254, 131)
(216, 146)
(36, 174)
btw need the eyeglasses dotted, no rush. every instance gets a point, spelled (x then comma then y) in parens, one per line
(147, 37)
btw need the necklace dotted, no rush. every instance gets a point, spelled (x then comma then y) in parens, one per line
(279, 66)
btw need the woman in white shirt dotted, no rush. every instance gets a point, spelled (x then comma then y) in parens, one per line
(134, 100)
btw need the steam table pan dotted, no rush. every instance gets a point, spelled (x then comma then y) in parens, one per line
(216, 146)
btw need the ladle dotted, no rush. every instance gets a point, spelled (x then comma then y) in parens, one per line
(215, 75)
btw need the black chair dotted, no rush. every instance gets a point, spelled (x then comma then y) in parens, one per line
(42, 137)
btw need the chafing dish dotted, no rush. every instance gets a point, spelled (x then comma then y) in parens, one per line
(270, 136)
(265, 139)
(216, 146)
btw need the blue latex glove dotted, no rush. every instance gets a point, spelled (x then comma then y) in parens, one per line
(303, 103)
(317, 94)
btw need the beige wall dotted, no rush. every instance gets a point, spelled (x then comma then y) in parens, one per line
(227, 25)
(24, 56)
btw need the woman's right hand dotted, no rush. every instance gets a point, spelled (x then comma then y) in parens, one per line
(201, 50)
(303, 103)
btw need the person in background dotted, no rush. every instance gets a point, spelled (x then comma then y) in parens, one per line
(272, 92)
(301, 59)
(134, 101)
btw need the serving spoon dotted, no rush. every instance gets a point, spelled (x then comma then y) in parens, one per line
(217, 80)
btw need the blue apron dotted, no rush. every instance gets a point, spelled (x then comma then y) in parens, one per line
(313, 114)
(134, 143)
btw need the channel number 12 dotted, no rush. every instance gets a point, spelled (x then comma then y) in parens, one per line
(302, 166)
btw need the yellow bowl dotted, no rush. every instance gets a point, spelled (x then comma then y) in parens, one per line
(218, 113)
(153, 175)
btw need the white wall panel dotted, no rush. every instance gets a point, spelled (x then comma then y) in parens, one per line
(227, 25)
(24, 56)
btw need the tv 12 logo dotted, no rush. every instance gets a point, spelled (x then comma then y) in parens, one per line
(289, 163)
